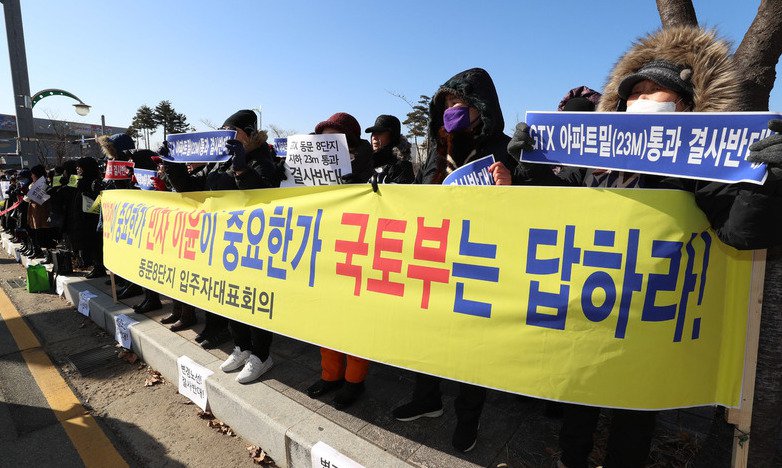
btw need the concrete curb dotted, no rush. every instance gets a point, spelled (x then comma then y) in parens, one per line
(284, 428)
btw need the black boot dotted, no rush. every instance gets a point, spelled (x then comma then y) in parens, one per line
(143, 302)
(348, 395)
(119, 282)
(151, 303)
(176, 312)
(97, 272)
(130, 290)
(186, 319)
(215, 339)
(322, 387)
(28, 249)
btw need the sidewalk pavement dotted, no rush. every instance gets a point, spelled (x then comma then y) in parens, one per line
(276, 414)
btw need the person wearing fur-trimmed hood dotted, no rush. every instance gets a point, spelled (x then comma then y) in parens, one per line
(676, 69)
(694, 60)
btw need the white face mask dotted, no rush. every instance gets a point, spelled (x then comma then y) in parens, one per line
(649, 106)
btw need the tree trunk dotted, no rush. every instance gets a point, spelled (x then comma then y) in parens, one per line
(757, 55)
(756, 59)
(767, 407)
(677, 13)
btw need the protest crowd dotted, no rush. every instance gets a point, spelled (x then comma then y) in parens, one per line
(52, 211)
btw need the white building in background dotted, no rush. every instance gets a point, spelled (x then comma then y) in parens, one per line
(55, 141)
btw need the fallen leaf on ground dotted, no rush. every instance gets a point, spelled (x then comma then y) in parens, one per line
(153, 379)
(221, 427)
(259, 456)
(128, 356)
(206, 415)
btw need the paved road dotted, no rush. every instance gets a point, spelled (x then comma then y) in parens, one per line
(51, 415)
(41, 419)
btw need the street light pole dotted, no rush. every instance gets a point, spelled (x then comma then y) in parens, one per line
(260, 117)
(21, 83)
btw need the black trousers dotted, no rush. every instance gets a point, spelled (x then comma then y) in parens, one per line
(97, 250)
(214, 324)
(629, 439)
(255, 340)
(468, 404)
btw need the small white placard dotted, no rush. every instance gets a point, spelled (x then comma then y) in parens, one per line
(37, 191)
(323, 454)
(314, 160)
(60, 285)
(192, 380)
(122, 324)
(84, 302)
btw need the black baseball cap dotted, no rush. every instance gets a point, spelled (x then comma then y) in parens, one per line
(386, 123)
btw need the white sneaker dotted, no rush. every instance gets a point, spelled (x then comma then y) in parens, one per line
(236, 360)
(254, 369)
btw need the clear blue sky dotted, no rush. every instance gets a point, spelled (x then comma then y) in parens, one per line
(302, 61)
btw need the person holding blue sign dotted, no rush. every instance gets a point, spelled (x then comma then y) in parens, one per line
(466, 124)
(677, 69)
(251, 166)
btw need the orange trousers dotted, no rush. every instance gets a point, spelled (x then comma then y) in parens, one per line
(336, 366)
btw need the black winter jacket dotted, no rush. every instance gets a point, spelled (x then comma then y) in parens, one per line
(392, 163)
(744, 216)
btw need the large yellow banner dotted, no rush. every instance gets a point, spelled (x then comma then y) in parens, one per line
(618, 298)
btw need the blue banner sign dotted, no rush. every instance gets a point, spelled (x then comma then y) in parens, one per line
(144, 179)
(696, 145)
(474, 173)
(281, 147)
(199, 147)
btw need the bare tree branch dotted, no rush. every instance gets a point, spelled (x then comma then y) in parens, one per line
(209, 123)
(757, 55)
(402, 97)
(279, 132)
(677, 13)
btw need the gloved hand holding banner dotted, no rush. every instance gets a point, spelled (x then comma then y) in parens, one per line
(696, 145)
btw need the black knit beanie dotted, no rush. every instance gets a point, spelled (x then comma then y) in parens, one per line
(244, 119)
